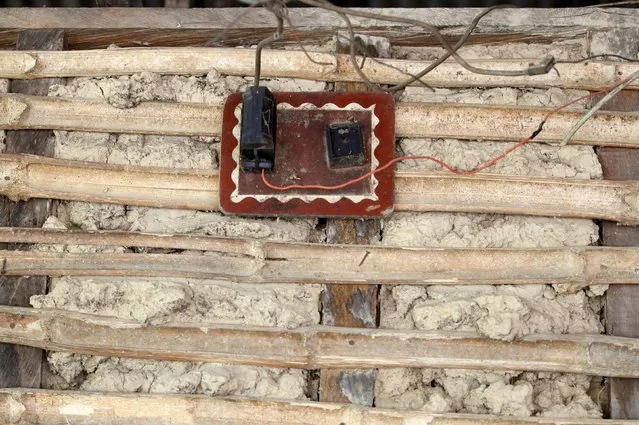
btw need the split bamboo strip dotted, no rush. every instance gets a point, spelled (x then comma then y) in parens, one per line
(254, 261)
(23, 177)
(24, 406)
(316, 347)
(293, 263)
(227, 245)
(295, 64)
(457, 121)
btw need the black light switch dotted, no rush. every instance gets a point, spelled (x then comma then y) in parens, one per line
(345, 145)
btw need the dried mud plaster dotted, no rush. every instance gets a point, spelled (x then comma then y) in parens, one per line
(90, 373)
(534, 159)
(154, 301)
(504, 312)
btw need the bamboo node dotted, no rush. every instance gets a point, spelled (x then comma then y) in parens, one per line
(14, 408)
(9, 178)
(11, 110)
(28, 63)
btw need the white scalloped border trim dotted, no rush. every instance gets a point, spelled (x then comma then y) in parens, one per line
(235, 175)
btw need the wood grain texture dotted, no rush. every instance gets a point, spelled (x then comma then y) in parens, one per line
(96, 38)
(21, 366)
(240, 260)
(622, 311)
(23, 177)
(316, 347)
(176, 3)
(98, 28)
(295, 64)
(40, 407)
(157, 18)
(352, 306)
(457, 121)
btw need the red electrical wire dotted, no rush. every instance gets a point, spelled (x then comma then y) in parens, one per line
(439, 161)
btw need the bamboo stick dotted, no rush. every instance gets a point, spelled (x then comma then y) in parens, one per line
(41, 112)
(24, 406)
(244, 260)
(295, 64)
(225, 245)
(458, 121)
(28, 176)
(316, 347)
(609, 200)
(486, 122)
(23, 177)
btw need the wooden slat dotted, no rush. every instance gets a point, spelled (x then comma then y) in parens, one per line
(518, 19)
(96, 38)
(90, 28)
(316, 347)
(24, 177)
(353, 306)
(295, 64)
(622, 302)
(21, 366)
(40, 407)
(458, 121)
(272, 262)
(101, 28)
(176, 3)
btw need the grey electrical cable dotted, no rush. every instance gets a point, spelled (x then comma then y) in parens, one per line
(258, 50)
(277, 6)
(595, 108)
(543, 68)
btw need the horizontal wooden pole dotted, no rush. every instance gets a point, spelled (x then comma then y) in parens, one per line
(91, 28)
(28, 176)
(226, 245)
(254, 261)
(458, 121)
(555, 197)
(316, 347)
(512, 123)
(23, 406)
(295, 64)
(269, 262)
(219, 18)
(163, 118)
(516, 19)
(24, 177)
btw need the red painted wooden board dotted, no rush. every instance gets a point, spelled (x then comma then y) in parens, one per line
(301, 158)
